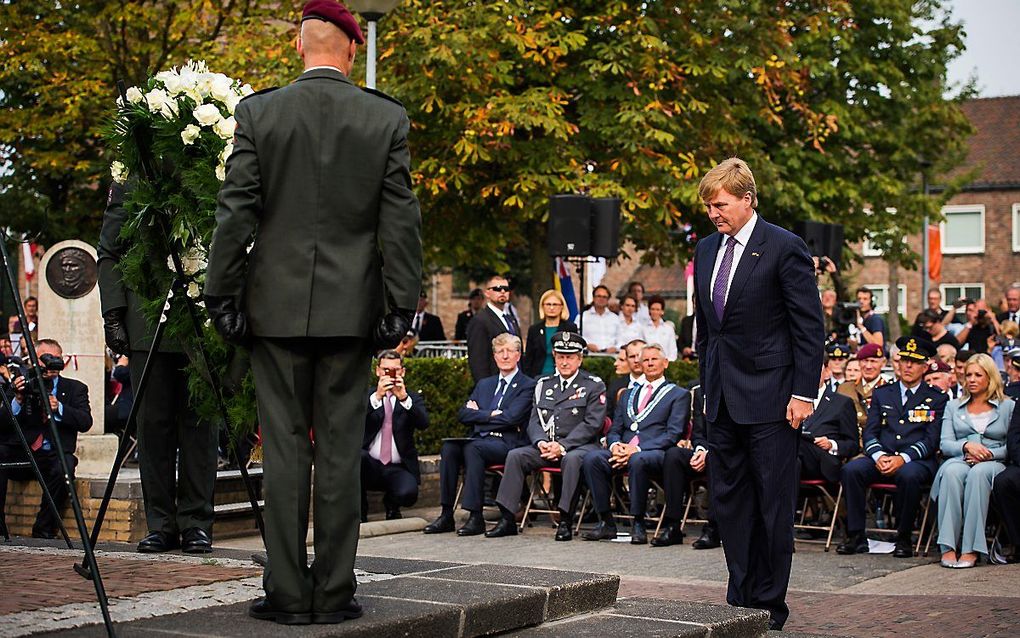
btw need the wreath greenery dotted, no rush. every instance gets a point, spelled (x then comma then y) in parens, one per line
(184, 118)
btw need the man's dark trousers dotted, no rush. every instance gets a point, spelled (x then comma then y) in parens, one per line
(53, 474)
(394, 480)
(1006, 496)
(640, 469)
(676, 476)
(474, 456)
(910, 481)
(176, 450)
(304, 383)
(753, 469)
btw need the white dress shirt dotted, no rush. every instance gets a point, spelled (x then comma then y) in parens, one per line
(601, 330)
(630, 331)
(663, 334)
(818, 400)
(507, 379)
(742, 237)
(376, 403)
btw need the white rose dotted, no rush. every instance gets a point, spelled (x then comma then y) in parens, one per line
(155, 99)
(225, 127)
(227, 150)
(221, 172)
(207, 114)
(232, 102)
(171, 81)
(193, 290)
(221, 87)
(203, 83)
(247, 90)
(190, 134)
(119, 172)
(169, 109)
(135, 95)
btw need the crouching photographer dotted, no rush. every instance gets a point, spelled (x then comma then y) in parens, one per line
(69, 403)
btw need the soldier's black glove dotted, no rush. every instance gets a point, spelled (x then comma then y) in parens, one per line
(392, 328)
(115, 330)
(228, 320)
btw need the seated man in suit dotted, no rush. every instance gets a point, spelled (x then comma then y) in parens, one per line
(389, 460)
(685, 461)
(565, 425)
(497, 413)
(900, 441)
(1006, 496)
(69, 402)
(830, 435)
(649, 420)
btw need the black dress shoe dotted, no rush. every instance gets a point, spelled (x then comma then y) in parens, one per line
(603, 532)
(442, 524)
(563, 532)
(503, 528)
(393, 514)
(709, 539)
(196, 540)
(349, 611)
(474, 525)
(261, 610)
(670, 535)
(638, 534)
(158, 542)
(855, 544)
(904, 549)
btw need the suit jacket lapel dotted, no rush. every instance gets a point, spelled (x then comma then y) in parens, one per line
(705, 264)
(748, 260)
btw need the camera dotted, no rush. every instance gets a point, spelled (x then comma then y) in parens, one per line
(844, 315)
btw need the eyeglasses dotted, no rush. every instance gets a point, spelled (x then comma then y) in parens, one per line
(602, 296)
(499, 288)
(552, 303)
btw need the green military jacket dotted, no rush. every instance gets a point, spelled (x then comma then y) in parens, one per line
(320, 175)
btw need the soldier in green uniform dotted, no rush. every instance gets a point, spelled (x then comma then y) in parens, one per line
(320, 173)
(566, 422)
(176, 450)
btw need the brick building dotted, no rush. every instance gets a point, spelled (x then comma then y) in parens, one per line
(980, 235)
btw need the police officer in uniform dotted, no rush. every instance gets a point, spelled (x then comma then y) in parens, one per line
(176, 449)
(900, 441)
(838, 355)
(565, 425)
(321, 168)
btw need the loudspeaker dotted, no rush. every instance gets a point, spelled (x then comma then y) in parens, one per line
(569, 226)
(823, 240)
(605, 227)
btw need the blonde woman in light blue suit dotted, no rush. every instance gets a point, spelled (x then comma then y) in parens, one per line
(974, 444)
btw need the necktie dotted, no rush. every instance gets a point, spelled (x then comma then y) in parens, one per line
(563, 385)
(496, 398)
(510, 323)
(386, 445)
(646, 398)
(910, 395)
(417, 324)
(722, 278)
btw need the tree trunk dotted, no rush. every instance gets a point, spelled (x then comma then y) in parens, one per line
(541, 264)
(894, 301)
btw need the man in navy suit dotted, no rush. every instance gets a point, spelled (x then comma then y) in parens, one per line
(830, 435)
(649, 420)
(389, 459)
(759, 343)
(497, 413)
(900, 441)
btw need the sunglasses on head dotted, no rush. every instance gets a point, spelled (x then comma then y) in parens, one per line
(499, 288)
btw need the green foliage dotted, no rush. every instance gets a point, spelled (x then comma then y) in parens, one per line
(445, 384)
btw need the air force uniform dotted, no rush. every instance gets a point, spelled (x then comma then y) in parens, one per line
(570, 412)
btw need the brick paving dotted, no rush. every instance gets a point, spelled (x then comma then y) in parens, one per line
(865, 615)
(34, 580)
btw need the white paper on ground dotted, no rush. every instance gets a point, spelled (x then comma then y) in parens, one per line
(880, 547)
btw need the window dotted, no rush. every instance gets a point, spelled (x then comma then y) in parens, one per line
(963, 231)
(1016, 228)
(952, 292)
(881, 298)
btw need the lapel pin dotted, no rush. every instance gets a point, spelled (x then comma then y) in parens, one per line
(755, 255)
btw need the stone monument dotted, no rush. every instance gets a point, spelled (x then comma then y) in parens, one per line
(69, 312)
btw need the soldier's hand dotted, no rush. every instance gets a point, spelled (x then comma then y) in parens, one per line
(115, 330)
(228, 320)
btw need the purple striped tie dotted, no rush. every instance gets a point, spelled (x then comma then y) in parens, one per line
(722, 278)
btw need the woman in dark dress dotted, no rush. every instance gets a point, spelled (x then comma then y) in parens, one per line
(552, 319)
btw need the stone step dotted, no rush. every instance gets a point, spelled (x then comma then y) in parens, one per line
(666, 618)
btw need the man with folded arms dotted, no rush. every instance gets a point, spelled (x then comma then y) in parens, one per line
(497, 413)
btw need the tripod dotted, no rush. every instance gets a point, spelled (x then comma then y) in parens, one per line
(179, 284)
(79, 518)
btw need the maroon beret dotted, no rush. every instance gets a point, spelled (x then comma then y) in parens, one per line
(869, 350)
(937, 365)
(335, 13)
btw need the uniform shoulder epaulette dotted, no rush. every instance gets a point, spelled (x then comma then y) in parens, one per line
(594, 378)
(268, 89)
(383, 95)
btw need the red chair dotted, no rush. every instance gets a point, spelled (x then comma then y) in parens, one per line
(888, 489)
(824, 489)
(489, 469)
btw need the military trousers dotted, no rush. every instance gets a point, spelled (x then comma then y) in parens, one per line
(524, 460)
(303, 384)
(176, 450)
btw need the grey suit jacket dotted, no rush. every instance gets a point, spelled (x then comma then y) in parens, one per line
(321, 169)
(957, 429)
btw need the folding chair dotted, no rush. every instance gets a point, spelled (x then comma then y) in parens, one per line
(888, 489)
(824, 489)
(622, 502)
(538, 490)
(489, 469)
(692, 491)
